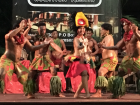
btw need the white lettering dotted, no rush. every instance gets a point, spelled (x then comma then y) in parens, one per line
(90, 3)
(64, 35)
(60, 34)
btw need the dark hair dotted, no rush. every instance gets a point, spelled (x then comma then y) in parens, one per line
(89, 29)
(107, 26)
(41, 24)
(54, 29)
(16, 24)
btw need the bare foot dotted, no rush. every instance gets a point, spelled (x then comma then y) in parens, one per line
(25, 94)
(96, 95)
(77, 96)
(60, 95)
(30, 96)
(87, 96)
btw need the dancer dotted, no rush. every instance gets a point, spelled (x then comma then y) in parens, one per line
(42, 61)
(109, 62)
(58, 61)
(10, 60)
(131, 62)
(92, 44)
(79, 60)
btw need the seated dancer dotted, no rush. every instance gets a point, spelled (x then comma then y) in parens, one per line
(42, 61)
(109, 61)
(55, 55)
(131, 62)
(10, 60)
(80, 61)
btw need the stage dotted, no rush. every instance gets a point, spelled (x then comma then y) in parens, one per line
(69, 100)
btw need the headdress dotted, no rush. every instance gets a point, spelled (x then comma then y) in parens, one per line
(129, 20)
(78, 19)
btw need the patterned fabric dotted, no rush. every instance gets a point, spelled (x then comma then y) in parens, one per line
(56, 41)
(41, 63)
(130, 64)
(8, 67)
(110, 63)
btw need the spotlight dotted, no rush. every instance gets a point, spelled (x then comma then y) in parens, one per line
(95, 27)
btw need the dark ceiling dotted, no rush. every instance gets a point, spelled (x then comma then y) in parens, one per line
(131, 7)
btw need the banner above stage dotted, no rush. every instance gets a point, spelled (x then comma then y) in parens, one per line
(65, 3)
(56, 14)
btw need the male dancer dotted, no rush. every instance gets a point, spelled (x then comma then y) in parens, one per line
(58, 61)
(92, 43)
(42, 61)
(79, 60)
(131, 62)
(10, 60)
(109, 61)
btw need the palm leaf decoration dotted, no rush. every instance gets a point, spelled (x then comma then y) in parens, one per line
(132, 19)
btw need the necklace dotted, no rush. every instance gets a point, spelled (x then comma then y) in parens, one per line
(19, 39)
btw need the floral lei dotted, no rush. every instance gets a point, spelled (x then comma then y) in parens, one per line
(19, 39)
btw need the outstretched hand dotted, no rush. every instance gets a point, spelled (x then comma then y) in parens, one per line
(22, 24)
(101, 45)
(47, 41)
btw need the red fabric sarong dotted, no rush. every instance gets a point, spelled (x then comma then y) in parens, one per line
(76, 68)
(92, 78)
(56, 61)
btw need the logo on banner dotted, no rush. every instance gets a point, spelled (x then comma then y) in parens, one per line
(65, 3)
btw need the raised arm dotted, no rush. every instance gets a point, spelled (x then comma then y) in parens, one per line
(96, 48)
(136, 32)
(17, 30)
(27, 30)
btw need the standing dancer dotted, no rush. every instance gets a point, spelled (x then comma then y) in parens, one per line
(131, 62)
(42, 61)
(109, 61)
(79, 60)
(10, 60)
(92, 44)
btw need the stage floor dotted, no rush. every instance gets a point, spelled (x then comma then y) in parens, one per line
(129, 97)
